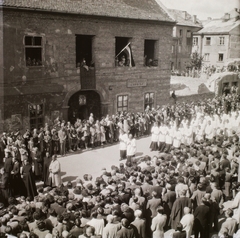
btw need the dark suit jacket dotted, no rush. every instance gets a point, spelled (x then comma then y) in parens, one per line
(8, 165)
(181, 234)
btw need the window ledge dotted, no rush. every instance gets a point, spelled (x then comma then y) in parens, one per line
(151, 67)
(35, 67)
(220, 61)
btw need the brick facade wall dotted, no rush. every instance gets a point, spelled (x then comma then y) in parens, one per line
(58, 79)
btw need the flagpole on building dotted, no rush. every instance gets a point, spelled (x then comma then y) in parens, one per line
(122, 49)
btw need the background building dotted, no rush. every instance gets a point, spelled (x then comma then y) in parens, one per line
(182, 38)
(219, 39)
(58, 59)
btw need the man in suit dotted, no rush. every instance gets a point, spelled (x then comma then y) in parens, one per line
(158, 223)
(8, 165)
(139, 224)
(111, 229)
(126, 231)
(168, 200)
(230, 224)
(153, 204)
(201, 220)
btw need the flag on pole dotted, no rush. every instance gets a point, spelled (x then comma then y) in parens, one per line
(128, 51)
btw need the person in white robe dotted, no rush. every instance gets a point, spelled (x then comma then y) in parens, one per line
(154, 137)
(55, 172)
(123, 138)
(187, 221)
(177, 138)
(169, 138)
(162, 137)
(189, 135)
(131, 148)
(209, 131)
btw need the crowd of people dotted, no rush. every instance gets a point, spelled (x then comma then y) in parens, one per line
(185, 187)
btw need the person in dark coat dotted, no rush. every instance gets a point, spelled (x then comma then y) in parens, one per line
(168, 201)
(8, 165)
(37, 161)
(179, 233)
(16, 177)
(46, 162)
(201, 220)
(28, 179)
(4, 187)
(2, 148)
(178, 208)
(126, 231)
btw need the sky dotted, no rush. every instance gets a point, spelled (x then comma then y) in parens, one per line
(203, 8)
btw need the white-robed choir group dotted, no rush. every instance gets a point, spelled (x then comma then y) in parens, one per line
(200, 127)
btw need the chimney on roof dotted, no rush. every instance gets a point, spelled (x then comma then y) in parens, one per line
(194, 19)
(226, 17)
(184, 15)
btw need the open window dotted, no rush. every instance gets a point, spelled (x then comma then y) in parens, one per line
(123, 52)
(220, 57)
(150, 53)
(33, 50)
(84, 57)
(149, 100)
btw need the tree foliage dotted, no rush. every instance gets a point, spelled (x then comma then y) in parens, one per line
(196, 61)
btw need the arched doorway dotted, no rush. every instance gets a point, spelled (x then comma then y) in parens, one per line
(82, 103)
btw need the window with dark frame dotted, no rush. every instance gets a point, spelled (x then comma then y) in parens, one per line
(221, 40)
(195, 40)
(36, 115)
(33, 50)
(180, 32)
(208, 40)
(220, 57)
(149, 100)
(150, 53)
(84, 56)
(122, 103)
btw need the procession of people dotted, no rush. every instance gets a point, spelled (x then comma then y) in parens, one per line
(191, 183)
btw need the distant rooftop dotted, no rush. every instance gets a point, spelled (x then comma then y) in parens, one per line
(131, 9)
(183, 18)
(222, 25)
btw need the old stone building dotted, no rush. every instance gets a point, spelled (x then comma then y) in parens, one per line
(183, 38)
(70, 58)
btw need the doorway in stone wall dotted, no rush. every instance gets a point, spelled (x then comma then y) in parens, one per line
(82, 103)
